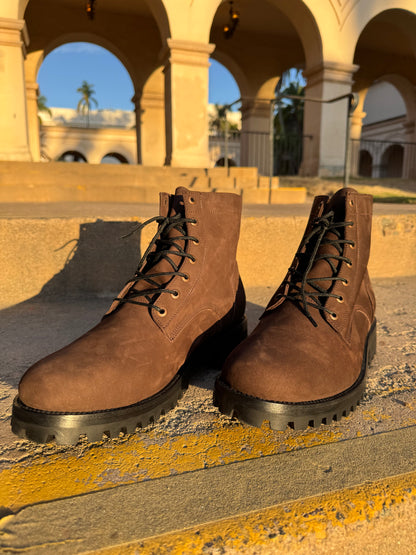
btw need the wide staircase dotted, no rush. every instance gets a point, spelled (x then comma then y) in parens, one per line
(195, 481)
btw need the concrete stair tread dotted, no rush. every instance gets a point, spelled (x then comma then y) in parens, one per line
(187, 455)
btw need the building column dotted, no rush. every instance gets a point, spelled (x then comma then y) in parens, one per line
(186, 103)
(32, 93)
(255, 134)
(138, 113)
(325, 124)
(409, 158)
(14, 137)
(355, 136)
(152, 103)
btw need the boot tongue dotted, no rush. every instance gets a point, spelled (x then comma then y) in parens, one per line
(169, 206)
(322, 268)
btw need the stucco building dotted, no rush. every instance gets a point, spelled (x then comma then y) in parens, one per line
(343, 46)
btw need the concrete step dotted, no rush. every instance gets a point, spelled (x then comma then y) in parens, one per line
(74, 182)
(77, 248)
(197, 482)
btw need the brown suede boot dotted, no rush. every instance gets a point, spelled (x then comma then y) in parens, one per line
(185, 301)
(305, 363)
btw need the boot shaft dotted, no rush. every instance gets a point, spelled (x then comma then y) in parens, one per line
(330, 267)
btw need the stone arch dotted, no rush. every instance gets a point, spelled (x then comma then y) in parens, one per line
(392, 161)
(114, 158)
(407, 91)
(282, 34)
(72, 156)
(159, 11)
(357, 20)
(92, 38)
(306, 24)
(386, 45)
(365, 165)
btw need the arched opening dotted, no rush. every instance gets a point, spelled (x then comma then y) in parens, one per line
(133, 32)
(271, 37)
(386, 57)
(365, 165)
(75, 104)
(65, 68)
(72, 156)
(221, 162)
(392, 161)
(114, 158)
(224, 116)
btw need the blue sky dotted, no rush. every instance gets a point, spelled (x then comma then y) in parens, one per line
(64, 69)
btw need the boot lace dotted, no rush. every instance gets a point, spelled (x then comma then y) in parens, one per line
(165, 247)
(305, 290)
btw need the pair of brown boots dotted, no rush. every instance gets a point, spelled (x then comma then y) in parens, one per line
(304, 364)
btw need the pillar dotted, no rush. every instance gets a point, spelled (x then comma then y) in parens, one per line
(32, 93)
(356, 128)
(186, 103)
(325, 124)
(255, 134)
(14, 138)
(138, 113)
(409, 158)
(152, 105)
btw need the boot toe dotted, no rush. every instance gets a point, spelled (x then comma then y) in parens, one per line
(284, 374)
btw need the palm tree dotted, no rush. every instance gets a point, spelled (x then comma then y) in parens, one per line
(42, 107)
(288, 123)
(84, 105)
(218, 122)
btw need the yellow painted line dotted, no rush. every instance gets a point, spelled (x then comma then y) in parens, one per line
(273, 527)
(143, 457)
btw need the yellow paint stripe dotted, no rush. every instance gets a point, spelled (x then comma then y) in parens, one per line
(274, 527)
(143, 457)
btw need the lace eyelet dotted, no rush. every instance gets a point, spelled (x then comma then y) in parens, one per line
(185, 278)
(351, 245)
(192, 261)
(195, 241)
(345, 283)
(191, 200)
(163, 312)
(333, 316)
(340, 300)
(349, 264)
(351, 202)
(193, 223)
(175, 295)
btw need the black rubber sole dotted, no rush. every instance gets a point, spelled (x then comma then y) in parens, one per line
(298, 416)
(67, 428)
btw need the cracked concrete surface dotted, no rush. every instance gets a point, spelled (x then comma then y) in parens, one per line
(31, 330)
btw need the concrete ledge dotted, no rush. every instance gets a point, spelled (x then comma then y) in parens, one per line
(65, 255)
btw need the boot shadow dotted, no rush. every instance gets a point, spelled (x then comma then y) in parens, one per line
(96, 268)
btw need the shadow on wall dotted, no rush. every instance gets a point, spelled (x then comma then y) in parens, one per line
(103, 258)
(96, 269)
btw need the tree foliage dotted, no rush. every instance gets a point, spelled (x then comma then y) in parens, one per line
(87, 99)
(218, 122)
(42, 107)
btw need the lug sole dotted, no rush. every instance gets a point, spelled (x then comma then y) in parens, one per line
(67, 428)
(298, 416)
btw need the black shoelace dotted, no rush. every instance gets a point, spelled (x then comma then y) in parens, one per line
(165, 247)
(307, 255)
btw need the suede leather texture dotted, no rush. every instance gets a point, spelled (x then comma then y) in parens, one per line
(286, 358)
(134, 352)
